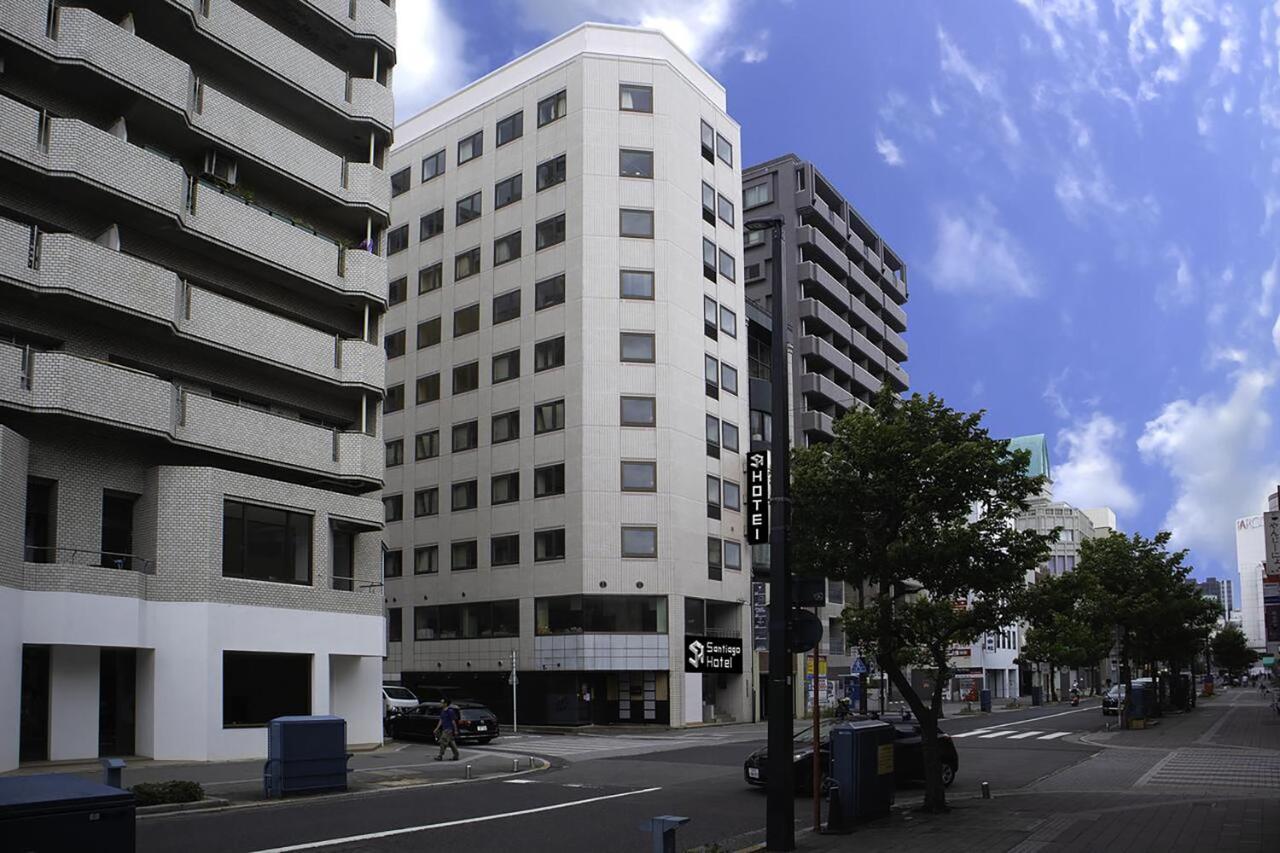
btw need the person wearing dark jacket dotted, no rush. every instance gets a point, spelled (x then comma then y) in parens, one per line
(447, 730)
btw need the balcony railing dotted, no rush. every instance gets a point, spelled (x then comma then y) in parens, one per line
(63, 556)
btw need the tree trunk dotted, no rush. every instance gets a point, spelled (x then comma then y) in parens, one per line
(935, 796)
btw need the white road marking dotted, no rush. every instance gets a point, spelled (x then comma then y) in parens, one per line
(390, 833)
(970, 734)
(997, 734)
(520, 781)
(1052, 736)
(1024, 735)
(1051, 716)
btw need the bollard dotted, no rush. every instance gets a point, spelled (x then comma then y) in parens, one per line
(468, 771)
(986, 790)
(663, 828)
(515, 765)
(530, 762)
(112, 772)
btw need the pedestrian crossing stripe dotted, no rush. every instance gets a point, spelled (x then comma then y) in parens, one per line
(969, 734)
(1025, 735)
(1054, 735)
(988, 734)
(998, 734)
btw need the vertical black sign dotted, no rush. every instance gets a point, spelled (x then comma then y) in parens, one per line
(757, 497)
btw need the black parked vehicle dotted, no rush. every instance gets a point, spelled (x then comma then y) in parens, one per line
(476, 723)
(908, 756)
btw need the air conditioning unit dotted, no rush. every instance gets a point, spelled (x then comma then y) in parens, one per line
(221, 167)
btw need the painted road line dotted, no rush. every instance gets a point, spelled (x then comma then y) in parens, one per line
(391, 833)
(1092, 708)
(1001, 733)
(971, 733)
(1025, 735)
(1052, 736)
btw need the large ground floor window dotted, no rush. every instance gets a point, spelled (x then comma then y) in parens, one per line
(259, 686)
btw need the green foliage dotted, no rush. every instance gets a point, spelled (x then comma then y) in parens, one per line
(173, 791)
(1062, 631)
(1231, 650)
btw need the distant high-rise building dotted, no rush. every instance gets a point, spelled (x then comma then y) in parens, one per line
(192, 376)
(1250, 555)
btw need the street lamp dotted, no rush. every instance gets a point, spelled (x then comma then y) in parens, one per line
(780, 815)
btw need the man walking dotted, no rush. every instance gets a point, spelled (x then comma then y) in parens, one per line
(447, 730)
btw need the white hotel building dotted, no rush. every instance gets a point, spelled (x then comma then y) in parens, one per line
(566, 404)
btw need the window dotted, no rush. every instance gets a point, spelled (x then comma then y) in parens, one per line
(708, 259)
(713, 436)
(730, 441)
(464, 556)
(732, 496)
(548, 292)
(431, 225)
(471, 147)
(548, 354)
(551, 173)
(393, 508)
(428, 388)
(396, 291)
(466, 436)
(429, 333)
(507, 249)
(715, 559)
(604, 614)
(724, 149)
(713, 497)
(476, 620)
(506, 366)
(754, 238)
(395, 625)
(426, 502)
(467, 209)
(636, 284)
(395, 452)
(729, 378)
(466, 264)
(640, 542)
(392, 563)
(548, 480)
(504, 488)
(761, 425)
(708, 143)
(465, 495)
(708, 203)
(430, 278)
(639, 411)
(549, 232)
(728, 266)
(754, 272)
(711, 372)
(635, 223)
(117, 529)
(724, 208)
(508, 191)
(433, 166)
(637, 346)
(400, 182)
(504, 550)
(639, 476)
(728, 322)
(509, 129)
(552, 108)
(710, 316)
(548, 545)
(258, 687)
(394, 401)
(635, 163)
(258, 542)
(733, 555)
(755, 196)
(466, 320)
(633, 98)
(426, 560)
(394, 344)
(398, 239)
(426, 445)
(548, 417)
(505, 427)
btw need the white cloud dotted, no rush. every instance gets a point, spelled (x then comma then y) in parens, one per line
(1182, 289)
(1073, 13)
(888, 149)
(975, 254)
(1054, 396)
(956, 65)
(1268, 288)
(1092, 474)
(431, 56)
(1215, 452)
(1275, 335)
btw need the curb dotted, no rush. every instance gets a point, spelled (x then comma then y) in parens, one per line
(207, 804)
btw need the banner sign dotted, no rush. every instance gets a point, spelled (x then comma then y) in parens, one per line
(712, 654)
(1271, 543)
(759, 616)
(758, 497)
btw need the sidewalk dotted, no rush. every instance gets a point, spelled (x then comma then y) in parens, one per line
(1239, 718)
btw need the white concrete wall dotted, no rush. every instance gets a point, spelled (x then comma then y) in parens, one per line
(351, 679)
(692, 689)
(73, 702)
(1250, 554)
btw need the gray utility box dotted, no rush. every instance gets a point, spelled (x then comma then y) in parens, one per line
(305, 754)
(53, 812)
(862, 769)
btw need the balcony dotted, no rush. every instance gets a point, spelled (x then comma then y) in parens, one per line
(61, 383)
(865, 379)
(813, 384)
(371, 18)
(817, 422)
(864, 348)
(894, 344)
(895, 287)
(812, 309)
(896, 376)
(895, 316)
(808, 234)
(864, 283)
(835, 291)
(866, 316)
(815, 347)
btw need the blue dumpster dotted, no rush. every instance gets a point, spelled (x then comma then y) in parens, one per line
(862, 772)
(1139, 702)
(305, 754)
(52, 812)
(984, 700)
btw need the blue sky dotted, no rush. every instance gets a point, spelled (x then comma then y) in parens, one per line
(1087, 195)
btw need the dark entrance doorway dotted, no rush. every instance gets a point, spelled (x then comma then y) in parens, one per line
(117, 696)
(33, 736)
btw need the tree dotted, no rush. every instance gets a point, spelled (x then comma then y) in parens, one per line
(914, 504)
(1060, 632)
(1231, 650)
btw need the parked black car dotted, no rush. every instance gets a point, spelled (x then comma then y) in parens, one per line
(476, 723)
(908, 756)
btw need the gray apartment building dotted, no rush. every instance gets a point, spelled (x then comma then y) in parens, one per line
(192, 204)
(845, 290)
(566, 389)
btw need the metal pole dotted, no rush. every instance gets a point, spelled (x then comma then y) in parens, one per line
(780, 830)
(817, 744)
(515, 726)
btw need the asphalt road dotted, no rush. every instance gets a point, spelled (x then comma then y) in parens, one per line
(600, 790)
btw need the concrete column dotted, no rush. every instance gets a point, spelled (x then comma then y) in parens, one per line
(73, 702)
(145, 703)
(355, 695)
(319, 684)
(692, 704)
(10, 676)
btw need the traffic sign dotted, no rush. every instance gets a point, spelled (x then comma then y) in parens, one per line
(859, 666)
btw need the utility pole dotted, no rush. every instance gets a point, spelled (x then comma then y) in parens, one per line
(514, 679)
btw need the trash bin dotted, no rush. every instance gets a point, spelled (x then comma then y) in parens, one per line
(1139, 705)
(58, 811)
(862, 770)
(984, 700)
(1036, 696)
(305, 754)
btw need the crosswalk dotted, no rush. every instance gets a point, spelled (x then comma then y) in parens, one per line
(1010, 734)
